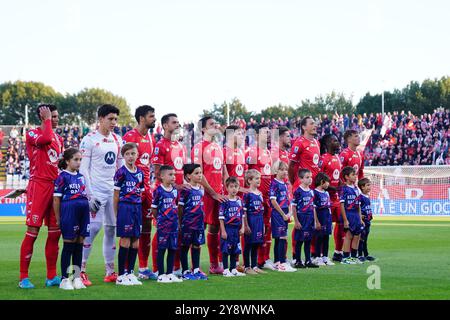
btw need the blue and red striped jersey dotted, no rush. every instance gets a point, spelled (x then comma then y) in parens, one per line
(192, 202)
(165, 202)
(322, 201)
(350, 196)
(231, 212)
(70, 186)
(253, 204)
(279, 192)
(130, 184)
(304, 201)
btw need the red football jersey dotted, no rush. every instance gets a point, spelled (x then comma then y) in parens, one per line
(306, 154)
(279, 154)
(145, 148)
(261, 160)
(332, 167)
(210, 156)
(235, 162)
(170, 153)
(355, 159)
(44, 148)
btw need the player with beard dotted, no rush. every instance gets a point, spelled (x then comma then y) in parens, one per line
(350, 157)
(209, 155)
(169, 152)
(330, 164)
(44, 147)
(259, 158)
(305, 154)
(145, 117)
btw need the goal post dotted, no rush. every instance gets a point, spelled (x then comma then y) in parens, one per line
(410, 190)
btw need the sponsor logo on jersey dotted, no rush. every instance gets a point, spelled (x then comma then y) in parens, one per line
(316, 158)
(145, 158)
(239, 170)
(217, 163)
(31, 134)
(52, 155)
(178, 163)
(356, 167)
(267, 169)
(295, 149)
(110, 157)
(336, 174)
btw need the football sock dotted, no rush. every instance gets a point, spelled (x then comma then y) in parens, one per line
(154, 249)
(339, 235)
(176, 258)
(354, 253)
(218, 249)
(246, 255)
(282, 250)
(232, 261)
(184, 258)
(123, 256)
(94, 228)
(276, 250)
(77, 255)
(318, 246)
(365, 250)
(51, 252)
(26, 252)
(195, 258)
(298, 251)
(325, 245)
(211, 242)
(293, 243)
(66, 255)
(312, 248)
(160, 261)
(170, 260)
(254, 254)
(360, 247)
(132, 255)
(225, 261)
(307, 249)
(109, 248)
(144, 250)
(346, 254)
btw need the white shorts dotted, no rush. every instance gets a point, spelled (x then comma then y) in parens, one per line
(106, 213)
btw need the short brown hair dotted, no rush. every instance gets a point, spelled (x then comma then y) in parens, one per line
(128, 146)
(231, 180)
(349, 133)
(347, 171)
(363, 182)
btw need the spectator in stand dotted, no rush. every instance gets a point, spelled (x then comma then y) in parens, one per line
(2, 135)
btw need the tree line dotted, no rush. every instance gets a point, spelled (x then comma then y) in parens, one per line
(419, 98)
(81, 107)
(78, 108)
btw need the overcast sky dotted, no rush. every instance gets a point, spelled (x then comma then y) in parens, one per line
(184, 56)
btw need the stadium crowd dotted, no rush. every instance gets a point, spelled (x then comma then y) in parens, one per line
(405, 139)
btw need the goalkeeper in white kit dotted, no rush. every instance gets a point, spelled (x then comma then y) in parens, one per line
(101, 159)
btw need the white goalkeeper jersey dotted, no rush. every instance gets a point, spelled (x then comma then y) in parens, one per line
(101, 159)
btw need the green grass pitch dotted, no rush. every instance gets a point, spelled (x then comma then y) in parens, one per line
(412, 256)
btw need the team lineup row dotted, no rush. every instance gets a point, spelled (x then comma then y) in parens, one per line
(237, 192)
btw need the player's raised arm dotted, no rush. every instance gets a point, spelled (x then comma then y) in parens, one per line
(44, 138)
